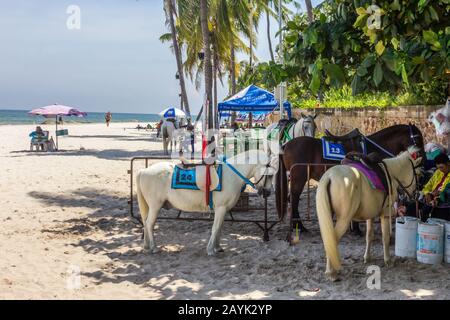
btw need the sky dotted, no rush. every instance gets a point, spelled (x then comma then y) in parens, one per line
(114, 62)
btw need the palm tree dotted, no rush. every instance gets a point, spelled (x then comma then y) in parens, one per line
(204, 19)
(169, 8)
(269, 40)
(309, 9)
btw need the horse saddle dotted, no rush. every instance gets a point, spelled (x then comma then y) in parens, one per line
(353, 141)
(283, 127)
(193, 176)
(370, 166)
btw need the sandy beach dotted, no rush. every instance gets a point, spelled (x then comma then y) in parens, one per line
(65, 214)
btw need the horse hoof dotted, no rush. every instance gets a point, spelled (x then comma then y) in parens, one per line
(154, 250)
(218, 249)
(332, 276)
(300, 227)
(388, 263)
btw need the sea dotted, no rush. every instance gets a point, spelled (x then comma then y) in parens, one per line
(22, 117)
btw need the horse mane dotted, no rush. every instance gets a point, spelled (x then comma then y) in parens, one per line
(390, 130)
(403, 156)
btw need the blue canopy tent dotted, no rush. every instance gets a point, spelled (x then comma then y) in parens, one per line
(253, 99)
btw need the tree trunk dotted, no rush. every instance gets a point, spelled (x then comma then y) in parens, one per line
(233, 77)
(233, 68)
(215, 69)
(309, 9)
(207, 59)
(251, 37)
(268, 36)
(178, 57)
(250, 62)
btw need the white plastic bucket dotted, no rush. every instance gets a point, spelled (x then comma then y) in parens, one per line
(447, 242)
(430, 243)
(406, 237)
(437, 221)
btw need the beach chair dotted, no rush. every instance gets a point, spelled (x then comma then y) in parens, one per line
(40, 142)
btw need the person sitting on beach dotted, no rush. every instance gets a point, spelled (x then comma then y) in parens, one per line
(40, 138)
(435, 192)
(38, 133)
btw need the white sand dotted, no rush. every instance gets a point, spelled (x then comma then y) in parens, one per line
(68, 210)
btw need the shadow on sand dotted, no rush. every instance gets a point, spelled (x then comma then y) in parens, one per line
(180, 270)
(108, 154)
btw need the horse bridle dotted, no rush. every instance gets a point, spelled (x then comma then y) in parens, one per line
(412, 135)
(415, 180)
(264, 175)
(303, 126)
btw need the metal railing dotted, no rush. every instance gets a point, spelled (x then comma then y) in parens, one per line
(299, 166)
(264, 224)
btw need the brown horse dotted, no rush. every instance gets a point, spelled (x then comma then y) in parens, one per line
(394, 139)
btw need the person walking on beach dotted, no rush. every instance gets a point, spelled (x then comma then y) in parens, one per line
(191, 129)
(108, 117)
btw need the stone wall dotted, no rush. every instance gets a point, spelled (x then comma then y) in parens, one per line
(370, 120)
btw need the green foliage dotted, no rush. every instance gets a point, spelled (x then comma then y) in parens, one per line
(419, 94)
(394, 54)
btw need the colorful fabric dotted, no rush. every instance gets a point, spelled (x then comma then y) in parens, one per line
(444, 196)
(285, 136)
(186, 178)
(437, 181)
(370, 174)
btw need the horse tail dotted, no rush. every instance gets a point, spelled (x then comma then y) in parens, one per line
(325, 214)
(143, 205)
(165, 132)
(281, 186)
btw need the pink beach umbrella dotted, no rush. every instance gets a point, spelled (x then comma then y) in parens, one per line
(57, 110)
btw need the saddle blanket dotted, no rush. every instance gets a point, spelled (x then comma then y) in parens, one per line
(282, 130)
(332, 150)
(194, 178)
(370, 174)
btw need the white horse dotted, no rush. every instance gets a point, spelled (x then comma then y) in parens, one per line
(305, 126)
(168, 134)
(154, 191)
(346, 192)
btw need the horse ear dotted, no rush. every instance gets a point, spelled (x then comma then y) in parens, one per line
(303, 115)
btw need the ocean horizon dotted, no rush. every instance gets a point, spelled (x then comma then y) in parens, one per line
(8, 117)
